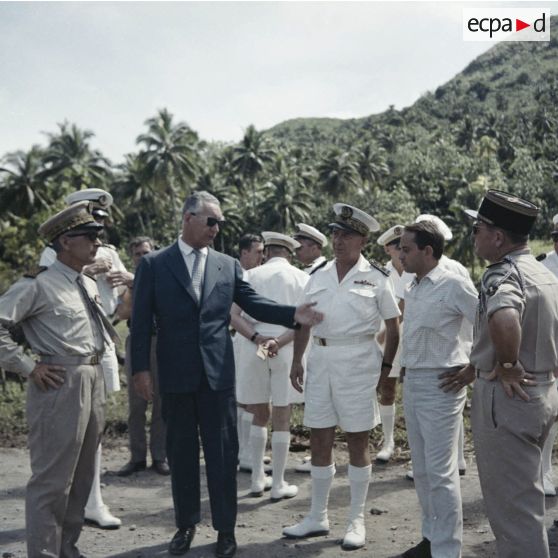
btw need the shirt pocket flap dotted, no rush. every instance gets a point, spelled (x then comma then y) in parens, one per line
(367, 292)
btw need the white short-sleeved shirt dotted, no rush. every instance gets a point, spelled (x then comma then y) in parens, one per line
(280, 281)
(435, 309)
(356, 306)
(551, 262)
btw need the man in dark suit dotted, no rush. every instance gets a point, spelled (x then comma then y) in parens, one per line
(188, 289)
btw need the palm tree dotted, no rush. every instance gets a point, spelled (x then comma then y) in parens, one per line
(287, 201)
(250, 157)
(169, 156)
(23, 189)
(70, 161)
(371, 164)
(337, 173)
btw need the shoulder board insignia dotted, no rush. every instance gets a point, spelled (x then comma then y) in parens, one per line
(34, 271)
(541, 257)
(317, 268)
(379, 267)
(90, 276)
(111, 246)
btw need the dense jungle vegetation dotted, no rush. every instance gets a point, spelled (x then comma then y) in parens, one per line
(493, 125)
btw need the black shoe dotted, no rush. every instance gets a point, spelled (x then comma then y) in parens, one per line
(226, 545)
(181, 541)
(161, 468)
(131, 467)
(421, 550)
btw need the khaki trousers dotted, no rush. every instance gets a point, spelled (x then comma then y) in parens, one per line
(509, 435)
(65, 427)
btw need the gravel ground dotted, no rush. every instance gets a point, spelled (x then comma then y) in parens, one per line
(143, 502)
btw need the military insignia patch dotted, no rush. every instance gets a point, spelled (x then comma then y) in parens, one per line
(346, 212)
(365, 282)
(34, 271)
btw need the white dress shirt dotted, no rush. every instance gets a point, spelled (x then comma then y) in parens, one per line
(189, 257)
(551, 262)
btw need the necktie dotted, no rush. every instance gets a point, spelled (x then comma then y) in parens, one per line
(197, 275)
(102, 323)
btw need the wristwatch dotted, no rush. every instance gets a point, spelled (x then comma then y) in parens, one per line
(508, 365)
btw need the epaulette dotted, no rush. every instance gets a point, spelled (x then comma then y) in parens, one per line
(379, 267)
(486, 291)
(541, 257)
(111, 246)
(90, 276)
(34, 271)
(318, 267)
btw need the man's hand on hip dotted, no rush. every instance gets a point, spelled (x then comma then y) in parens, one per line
(47, 376)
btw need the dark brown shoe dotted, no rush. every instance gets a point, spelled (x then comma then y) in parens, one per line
(161, 468)
(421, 550)
(226, 545)
(131, 467)
(181, 541)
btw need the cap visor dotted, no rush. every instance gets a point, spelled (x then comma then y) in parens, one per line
(343, 227)
(471, 213)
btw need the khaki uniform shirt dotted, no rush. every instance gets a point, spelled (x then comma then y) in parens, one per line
(537, 304)
(109, 295)
(53, 315)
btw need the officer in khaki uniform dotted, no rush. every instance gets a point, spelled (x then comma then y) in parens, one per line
(515, 355)
(58, 309)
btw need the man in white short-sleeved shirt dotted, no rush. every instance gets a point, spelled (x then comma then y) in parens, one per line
(437, 303)
(344, 366)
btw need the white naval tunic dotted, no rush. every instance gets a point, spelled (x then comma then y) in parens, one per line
(341, 379)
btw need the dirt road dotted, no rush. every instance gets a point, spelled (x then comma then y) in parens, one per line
(144, 504)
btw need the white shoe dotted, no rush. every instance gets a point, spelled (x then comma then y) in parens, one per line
(283, 492)
(384, 455)
(101, 517)
(257, 489)
(548, 485)
(355, 536)
(308, 527)
(304, 466)
(410, 475)
(246, 466)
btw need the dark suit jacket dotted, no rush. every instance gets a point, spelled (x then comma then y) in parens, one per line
(191, 339)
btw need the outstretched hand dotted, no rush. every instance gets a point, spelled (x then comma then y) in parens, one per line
(306, 315)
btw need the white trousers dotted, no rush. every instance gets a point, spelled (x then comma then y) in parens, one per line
(432, 418)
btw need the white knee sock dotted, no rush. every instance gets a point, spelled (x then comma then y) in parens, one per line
(461, 463)
(387, 416)
(258, 440)
(280, 451)
(95, 500)
(359, 478)
(547, 450)
(322, 478)
(239, 430)
(244, 443)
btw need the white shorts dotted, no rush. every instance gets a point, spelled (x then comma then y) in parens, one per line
(262, 381)
(341, 385)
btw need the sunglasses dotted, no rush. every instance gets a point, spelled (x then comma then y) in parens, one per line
(92, 236)
(212, 221)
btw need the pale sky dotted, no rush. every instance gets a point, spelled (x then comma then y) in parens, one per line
(218, 66)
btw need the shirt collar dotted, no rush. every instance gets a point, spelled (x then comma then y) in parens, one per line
(186, 249)
(433, 276)
(68, 272)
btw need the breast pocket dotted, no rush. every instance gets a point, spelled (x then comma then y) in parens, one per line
(364, 302)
